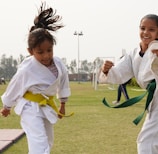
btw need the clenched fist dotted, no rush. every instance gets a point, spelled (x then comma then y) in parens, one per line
(107, 66)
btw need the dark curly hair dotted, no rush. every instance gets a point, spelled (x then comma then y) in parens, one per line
(151, 16)
(46, 21)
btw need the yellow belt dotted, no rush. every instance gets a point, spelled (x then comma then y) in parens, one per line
(43, 101)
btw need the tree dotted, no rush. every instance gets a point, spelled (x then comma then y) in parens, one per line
(73, 67)
(8, 67)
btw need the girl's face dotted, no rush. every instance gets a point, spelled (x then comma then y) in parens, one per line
(148, 31)
(43, 53)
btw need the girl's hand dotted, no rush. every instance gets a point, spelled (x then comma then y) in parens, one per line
(5, 112)
(62, 110)
(107, 66)
(155, 52)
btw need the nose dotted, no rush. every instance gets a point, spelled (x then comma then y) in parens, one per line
(146, 31)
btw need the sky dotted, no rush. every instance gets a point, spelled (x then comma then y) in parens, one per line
(108, 26)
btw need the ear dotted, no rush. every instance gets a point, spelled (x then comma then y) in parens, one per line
(30, 51)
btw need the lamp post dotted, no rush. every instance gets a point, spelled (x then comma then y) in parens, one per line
(78, 70)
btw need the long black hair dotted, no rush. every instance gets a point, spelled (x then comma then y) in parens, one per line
(46, 21)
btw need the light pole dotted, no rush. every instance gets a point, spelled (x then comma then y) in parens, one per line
(78, 70)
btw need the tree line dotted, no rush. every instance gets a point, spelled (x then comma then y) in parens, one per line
(9, 65)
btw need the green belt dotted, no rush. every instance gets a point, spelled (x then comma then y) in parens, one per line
(150, 91)
(43, 101)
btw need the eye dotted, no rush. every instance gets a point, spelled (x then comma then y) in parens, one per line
(142, 28)
(152, 30)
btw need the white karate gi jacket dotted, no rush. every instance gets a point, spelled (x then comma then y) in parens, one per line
(144, 69)
(37, 78)
(131, 65)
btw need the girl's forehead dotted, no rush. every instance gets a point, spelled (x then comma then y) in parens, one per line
(45, 43)
(149, 22)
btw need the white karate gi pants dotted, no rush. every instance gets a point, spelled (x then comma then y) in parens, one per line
(39, 131)
(147, 142)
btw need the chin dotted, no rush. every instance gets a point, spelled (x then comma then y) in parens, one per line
(47, 64)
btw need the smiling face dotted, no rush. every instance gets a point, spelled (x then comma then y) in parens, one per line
(43, 52)
(148, 31)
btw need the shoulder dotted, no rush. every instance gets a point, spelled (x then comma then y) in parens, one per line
(58, 61)
(135, 51)
(23, 69)
(26, 61)
(26, 64)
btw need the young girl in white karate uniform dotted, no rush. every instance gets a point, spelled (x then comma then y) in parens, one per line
(141, 63)
(38, 78)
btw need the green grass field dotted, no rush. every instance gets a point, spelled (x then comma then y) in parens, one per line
(94, 128)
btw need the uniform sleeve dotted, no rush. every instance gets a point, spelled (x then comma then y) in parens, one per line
(63, 88)
(119, 73)
(154, 66)
(15, 90)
